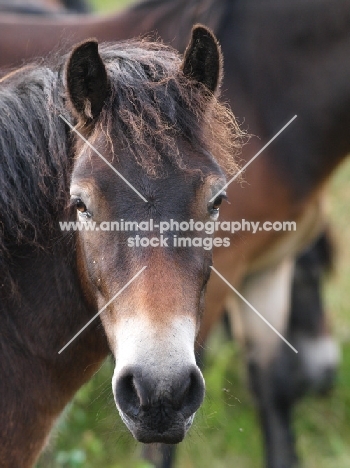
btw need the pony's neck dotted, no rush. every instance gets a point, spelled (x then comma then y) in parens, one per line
(41, 301)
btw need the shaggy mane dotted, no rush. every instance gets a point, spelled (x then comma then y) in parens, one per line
(34, 163)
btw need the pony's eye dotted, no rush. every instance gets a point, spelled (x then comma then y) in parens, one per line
(80, 205)
(217, 202)
(214, 208)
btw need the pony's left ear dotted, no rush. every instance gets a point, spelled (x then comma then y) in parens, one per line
(87, 82)
(203, 59)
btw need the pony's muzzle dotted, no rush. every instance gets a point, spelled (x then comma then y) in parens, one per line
(159, 409)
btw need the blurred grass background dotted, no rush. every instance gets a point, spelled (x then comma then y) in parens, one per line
(109, 5)
(90, 434)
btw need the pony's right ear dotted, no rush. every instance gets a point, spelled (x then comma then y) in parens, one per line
(87, 82)
(203, 60)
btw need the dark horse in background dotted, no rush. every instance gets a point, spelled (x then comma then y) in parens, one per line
(42, 7)
(158, 122)
(268, 49)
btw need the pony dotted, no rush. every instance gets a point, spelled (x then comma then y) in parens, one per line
(283, 184)
(157, 120)
(308, 322)
(38, 7)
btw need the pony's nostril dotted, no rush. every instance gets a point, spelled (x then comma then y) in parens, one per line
(128, 398)
(191, 393)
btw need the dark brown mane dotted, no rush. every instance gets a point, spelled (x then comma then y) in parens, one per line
(34, 167)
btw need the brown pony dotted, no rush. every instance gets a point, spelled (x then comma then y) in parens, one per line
(160, 127)
(44, 7)
(280, 61)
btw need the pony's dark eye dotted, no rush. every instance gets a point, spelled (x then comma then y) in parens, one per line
(214, 208)
(80, 205)
(217, 202)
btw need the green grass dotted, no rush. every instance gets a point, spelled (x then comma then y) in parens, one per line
(109, 5)
(225, 434)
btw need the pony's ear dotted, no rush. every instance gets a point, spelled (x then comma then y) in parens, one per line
(203, 58)
(86, 80)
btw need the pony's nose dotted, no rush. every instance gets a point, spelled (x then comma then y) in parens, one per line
(136, 390)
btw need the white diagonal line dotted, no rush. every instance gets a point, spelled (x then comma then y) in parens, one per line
(103, 158)
(101, 310)
(254, 309)
(253, 158)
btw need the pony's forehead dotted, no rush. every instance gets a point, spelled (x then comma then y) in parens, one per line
(92, 172)
(197, 165)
